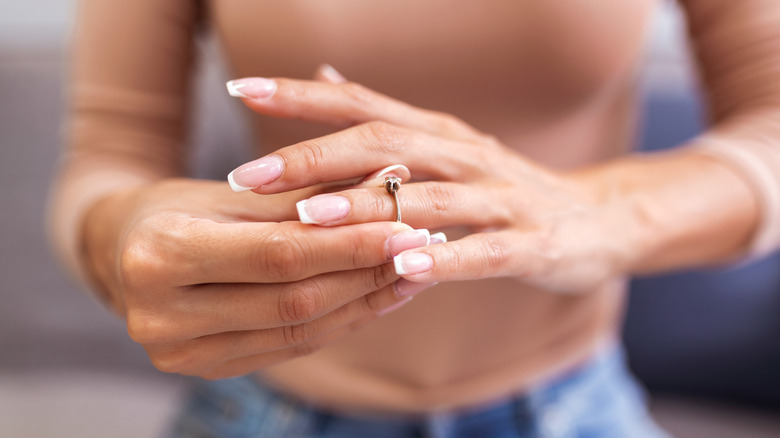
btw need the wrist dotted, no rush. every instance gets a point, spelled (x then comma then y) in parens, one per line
(618, 213)
(99, 239)
(671, 210)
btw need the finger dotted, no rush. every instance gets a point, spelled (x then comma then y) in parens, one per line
(210, 252)
(326, 73)
(423, 205)
(223, 308)
(376, 179)
(248, 207)
(202, 352)
(249, 364)
(477, 256)
(209, 309)
(343, 104)
(358, 151)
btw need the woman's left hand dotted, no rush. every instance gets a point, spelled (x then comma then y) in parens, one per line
(547, 229)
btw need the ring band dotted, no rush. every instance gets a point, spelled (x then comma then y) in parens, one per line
(392, 185)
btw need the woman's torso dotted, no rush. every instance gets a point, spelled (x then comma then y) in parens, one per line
(553, 80)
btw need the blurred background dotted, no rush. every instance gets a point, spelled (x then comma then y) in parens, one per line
(705, 343)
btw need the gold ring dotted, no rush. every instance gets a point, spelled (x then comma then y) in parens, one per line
(392, 185)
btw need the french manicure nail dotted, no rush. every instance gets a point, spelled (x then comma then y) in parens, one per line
(407, 240)
(406, 288)
(256, 173)
(438, 238)
(252, 88)
(321, 209)
(398, 170)
(412, 263)
(332, 74)
(395, 306)
(389, 169)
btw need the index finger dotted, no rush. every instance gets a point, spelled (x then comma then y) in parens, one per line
(343, 104)
(357, 151)
(210, 252)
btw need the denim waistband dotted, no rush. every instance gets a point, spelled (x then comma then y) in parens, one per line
(599, 398)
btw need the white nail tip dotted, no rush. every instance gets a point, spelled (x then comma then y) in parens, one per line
(389, 169)
(233, 88)
(427, 235)
(398, 263)
(441, 236)
(235, 186)
(302, 215)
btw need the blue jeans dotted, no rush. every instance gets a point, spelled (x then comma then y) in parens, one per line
(599, 399)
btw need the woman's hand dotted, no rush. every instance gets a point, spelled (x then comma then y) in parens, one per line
(218, 284)
(543, 228)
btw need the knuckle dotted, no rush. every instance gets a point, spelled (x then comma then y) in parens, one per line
(372, 303)
(456, 260)
(281, 257)
(306, 348)
(298, 333)
(447, 122)
(154, 251)
(312, 154)
(359, 250)
(380, 276)
(301, 303)
(383, 136)
(490, 140)
(148, 328)
(379, 205)
(485, 258)
(439, 198)
(140, 264)
(358, 94)
(174, 361)
(493, 254)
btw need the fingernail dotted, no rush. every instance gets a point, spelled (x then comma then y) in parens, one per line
(407, 240)
(389, 169)
(438, 238)
(321, 209)
(256, 173)
(412, 263)
(252, 88)
(398, 170)
(395, 306)
(332, 74)
(406, 288)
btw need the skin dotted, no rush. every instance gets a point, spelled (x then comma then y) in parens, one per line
(474, 172)
(281, 289)
(217, 284)
(192, 318)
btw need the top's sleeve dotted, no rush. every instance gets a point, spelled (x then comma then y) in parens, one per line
(737, 44)
(130, 76)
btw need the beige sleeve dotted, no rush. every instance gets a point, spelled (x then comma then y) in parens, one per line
(737, 44)
(128, 93)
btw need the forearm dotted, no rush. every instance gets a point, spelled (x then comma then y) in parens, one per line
(687, 207)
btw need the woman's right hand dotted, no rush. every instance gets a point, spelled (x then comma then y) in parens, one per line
(219, 284)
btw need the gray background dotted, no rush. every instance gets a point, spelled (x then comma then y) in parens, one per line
(67, 368)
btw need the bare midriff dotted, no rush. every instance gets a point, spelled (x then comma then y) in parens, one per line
(553, 80)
